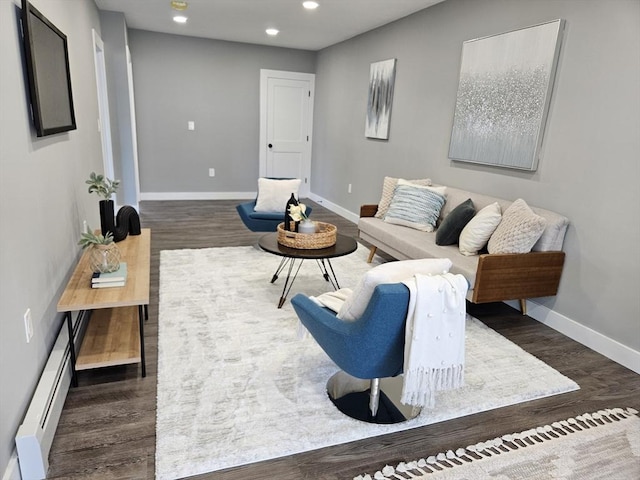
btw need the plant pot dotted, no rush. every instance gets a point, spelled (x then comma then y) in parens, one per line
(107, 221)
(307, 226)
(105, 258)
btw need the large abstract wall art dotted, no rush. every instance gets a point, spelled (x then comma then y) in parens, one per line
(381, 82)
(503, 97)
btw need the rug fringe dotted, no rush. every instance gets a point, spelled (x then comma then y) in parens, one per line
(499, 445)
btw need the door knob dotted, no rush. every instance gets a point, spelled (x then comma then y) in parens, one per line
(270, 146)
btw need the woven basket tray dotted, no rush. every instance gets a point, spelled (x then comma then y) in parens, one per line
(323, 238)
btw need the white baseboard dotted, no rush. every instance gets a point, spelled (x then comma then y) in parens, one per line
(343, 212)
(598, 342)
(12, 472)
(197, 196)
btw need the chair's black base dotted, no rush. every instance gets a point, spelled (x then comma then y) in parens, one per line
(356, 405)
(351, 396)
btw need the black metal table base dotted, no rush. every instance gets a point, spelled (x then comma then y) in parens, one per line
(326, 269)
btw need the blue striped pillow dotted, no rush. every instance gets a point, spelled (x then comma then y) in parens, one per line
(415, 207)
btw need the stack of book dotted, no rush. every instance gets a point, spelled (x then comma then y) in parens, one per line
(111, 279)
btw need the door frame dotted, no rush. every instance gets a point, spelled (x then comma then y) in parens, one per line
(104, 120)
(265, 75)
(134, 129)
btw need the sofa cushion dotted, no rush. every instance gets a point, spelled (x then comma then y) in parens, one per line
(273, 194)
(405, 244)
(519, 229)
(415, 206)
(391, 272)
(388, 187)
(449, 230)
(476, 233)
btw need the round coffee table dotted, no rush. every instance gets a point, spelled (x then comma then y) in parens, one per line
(269, 243)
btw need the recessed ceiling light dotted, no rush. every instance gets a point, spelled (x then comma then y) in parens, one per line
(180, 19)
(272, 31)
(178, 5)
(310, 5)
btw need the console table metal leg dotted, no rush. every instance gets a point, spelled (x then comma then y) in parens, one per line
(146, 312)
(72, 348)
(141, 322)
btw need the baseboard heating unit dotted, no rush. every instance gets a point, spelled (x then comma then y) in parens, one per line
(35, 435)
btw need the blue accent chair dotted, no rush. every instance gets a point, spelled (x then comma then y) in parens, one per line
(260, 221)
(369, 348)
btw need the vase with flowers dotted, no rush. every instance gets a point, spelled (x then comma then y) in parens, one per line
(298, 214)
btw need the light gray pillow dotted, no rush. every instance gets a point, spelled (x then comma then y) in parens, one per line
(415, 206)
(388, 187)
(519, 229)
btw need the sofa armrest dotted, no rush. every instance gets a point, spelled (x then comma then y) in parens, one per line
(368, 210)
(517, 276)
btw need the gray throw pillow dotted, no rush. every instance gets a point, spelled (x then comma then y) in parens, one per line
(449, 230)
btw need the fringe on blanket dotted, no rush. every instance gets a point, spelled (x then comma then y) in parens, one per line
(425, 382)
(500, 445)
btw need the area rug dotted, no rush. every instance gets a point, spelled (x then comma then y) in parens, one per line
(603, 444)
(237, 383)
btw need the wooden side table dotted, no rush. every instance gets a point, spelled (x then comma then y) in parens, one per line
(115, 333)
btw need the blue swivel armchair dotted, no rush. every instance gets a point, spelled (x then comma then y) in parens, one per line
(367, 350)
(259, 221)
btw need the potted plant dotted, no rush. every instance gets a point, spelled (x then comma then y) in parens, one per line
(105, 188)
(105, 254)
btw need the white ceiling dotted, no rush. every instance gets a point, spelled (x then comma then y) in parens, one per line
(246, 20)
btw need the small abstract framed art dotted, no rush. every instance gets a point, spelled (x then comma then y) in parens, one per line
(503, 99)
(381, 83)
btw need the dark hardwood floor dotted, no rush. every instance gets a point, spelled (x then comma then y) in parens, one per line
(107, 429)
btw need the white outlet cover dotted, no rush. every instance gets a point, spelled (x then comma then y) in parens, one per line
(191, 125)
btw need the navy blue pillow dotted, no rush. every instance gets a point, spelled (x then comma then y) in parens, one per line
(449, 230)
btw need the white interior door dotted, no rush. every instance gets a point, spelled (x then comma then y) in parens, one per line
(286, 113)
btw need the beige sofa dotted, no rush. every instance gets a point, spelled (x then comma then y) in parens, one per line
(491, 277)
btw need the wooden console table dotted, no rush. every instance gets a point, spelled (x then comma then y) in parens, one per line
(115, 333)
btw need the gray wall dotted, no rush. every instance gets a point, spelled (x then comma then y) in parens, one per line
(214, 83)
(590, 166)
(43, 201)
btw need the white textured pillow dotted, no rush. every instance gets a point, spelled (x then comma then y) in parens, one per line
(415, 206)
(391, 272)
(273, 194)
(518, 231)
(388, 187)
(476, 233)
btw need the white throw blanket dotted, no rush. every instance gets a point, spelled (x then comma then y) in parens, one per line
(434, 337)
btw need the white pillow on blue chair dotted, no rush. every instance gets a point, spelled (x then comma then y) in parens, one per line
(390, 272)
(273, 194)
